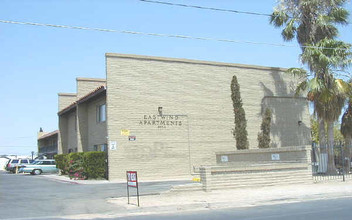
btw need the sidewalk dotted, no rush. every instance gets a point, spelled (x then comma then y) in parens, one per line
(172, 202)
(235, 198)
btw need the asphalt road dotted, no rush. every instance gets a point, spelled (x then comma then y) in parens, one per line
(334, 209)
(28, 196)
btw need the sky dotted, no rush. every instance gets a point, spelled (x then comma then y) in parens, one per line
(38, 62)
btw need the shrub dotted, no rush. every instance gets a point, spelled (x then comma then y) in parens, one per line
(86, 165)
(60, 160)
(75, 166)
(264, 135)
(95, 165)
(240, 131)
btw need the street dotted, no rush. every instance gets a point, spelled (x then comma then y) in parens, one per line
(28, 196)
(39, 197)
(333, 209)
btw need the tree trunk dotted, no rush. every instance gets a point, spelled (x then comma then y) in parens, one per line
(331, 159)
(322, 136)
(323, 159)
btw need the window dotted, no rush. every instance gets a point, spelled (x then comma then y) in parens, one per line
(100, 147)
(101, 113)
(24, 161)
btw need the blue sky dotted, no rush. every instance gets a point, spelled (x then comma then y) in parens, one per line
(36, 62)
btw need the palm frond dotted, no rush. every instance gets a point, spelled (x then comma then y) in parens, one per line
(278, 18)
(339, 15)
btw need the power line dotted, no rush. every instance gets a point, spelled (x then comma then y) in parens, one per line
(206, 8)
(157, 34)
(210, 8)
(144, 33)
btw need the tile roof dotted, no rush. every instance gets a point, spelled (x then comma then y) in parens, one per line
(49, 134)
(85, 98)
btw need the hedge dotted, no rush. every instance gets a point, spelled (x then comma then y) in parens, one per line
(82, 165)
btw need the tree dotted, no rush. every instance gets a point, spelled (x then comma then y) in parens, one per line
(326, 92)
(240, 131)
(264, 135)
(309, 20)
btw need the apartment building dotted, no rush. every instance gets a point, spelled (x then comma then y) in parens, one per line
(82, 117)
(47, 143)
(166, 117)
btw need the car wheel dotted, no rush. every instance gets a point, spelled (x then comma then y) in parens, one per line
(37, 172)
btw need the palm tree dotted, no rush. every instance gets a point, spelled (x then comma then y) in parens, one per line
(312, 21)
(325, 91)
(309, 20)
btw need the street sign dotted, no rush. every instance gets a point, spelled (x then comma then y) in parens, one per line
(132, 181)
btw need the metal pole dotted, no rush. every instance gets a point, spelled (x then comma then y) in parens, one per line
(137, 190)
(128, 192)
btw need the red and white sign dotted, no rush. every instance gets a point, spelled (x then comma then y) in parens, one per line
(132, 178)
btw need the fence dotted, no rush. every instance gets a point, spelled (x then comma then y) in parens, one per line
(342, 162)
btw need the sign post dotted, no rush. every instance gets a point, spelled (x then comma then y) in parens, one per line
(132, 181)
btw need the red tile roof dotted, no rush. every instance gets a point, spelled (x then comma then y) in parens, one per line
(85, 98)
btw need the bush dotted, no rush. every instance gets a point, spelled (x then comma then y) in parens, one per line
(75, 166)
(264, 135)
(86, 165)
(95, 165)
(60, 160)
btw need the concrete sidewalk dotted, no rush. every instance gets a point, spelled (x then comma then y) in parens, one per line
(176, 201)
(236, 198)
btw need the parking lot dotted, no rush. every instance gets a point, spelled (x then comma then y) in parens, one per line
(37, 196)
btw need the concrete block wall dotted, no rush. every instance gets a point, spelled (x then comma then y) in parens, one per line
(255, 168)
(97, 133)
(199, 93)
(297, 154)
(87, 85)
(66, 99)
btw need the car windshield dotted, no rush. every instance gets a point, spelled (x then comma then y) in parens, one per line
(14, 161)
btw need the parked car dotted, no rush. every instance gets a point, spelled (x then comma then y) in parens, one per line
(40, 166)
(13, 163)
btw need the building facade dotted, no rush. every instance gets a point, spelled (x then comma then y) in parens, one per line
(166, 117)
(82, 117)
(47, 144)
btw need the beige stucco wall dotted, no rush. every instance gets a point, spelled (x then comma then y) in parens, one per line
(138, 85)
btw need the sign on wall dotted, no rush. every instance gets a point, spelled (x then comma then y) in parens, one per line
(275, 156)
(125, 132)
(224, 158)
(132, 138)
(113, 145)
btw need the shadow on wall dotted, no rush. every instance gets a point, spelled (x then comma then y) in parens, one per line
(288, 127)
